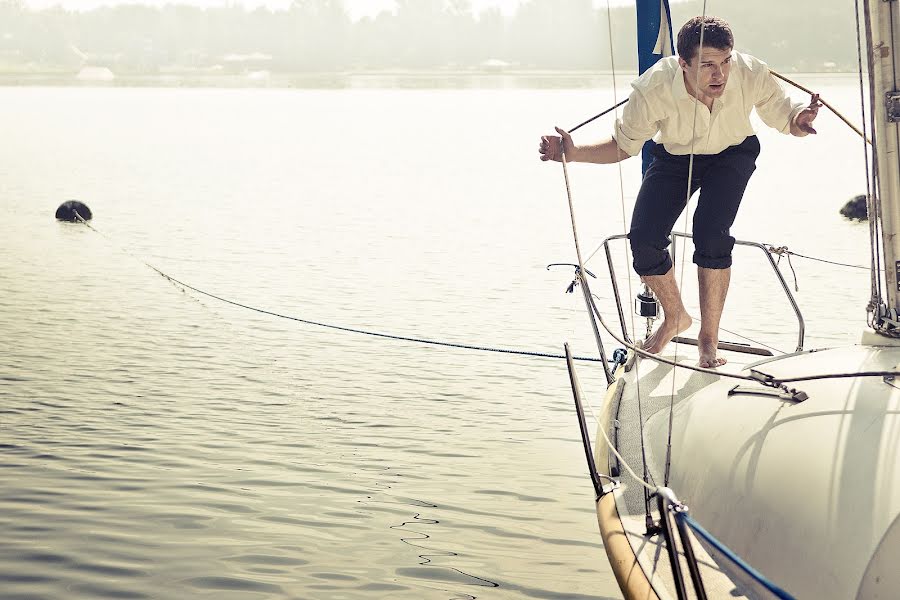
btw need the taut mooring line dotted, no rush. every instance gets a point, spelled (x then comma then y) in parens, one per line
(337, 327)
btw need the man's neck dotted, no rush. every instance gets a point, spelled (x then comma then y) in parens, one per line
(706, 100)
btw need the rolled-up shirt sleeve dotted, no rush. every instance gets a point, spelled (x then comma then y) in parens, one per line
(636, 125)
(773, 106)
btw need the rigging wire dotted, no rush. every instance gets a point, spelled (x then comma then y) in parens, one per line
(612, 62)
(869, 200)
(597, 116)
(758, 377)
(825, 104)
(687, 209)
(874, 218)
(581, 270)
(892, 8)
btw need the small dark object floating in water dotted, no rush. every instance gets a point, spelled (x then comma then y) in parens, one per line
(856, 208)
(67, 210)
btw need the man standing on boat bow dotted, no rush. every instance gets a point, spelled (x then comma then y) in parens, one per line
(696, 107)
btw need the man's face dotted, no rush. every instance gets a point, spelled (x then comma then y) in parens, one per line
(707, 72)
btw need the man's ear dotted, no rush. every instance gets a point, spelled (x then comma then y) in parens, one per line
(683, 64)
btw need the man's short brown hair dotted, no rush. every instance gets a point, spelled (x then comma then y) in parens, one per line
(716, 34)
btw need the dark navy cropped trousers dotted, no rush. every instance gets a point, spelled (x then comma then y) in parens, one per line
(721, 179)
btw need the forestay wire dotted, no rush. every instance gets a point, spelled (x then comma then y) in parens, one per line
(872, 201)
(687, 210)
(612, 59)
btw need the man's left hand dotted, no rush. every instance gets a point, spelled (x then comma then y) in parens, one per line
(805, 117)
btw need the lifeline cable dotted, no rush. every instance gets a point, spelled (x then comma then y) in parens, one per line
(340, 327)
(779, 250)
(744, 337)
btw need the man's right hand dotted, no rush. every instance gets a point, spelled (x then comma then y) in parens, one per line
(552, 145)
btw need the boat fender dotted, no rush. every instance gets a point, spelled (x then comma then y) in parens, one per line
(68, 209)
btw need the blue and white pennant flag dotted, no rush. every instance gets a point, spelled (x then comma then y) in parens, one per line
(654, 29)
(654, 32)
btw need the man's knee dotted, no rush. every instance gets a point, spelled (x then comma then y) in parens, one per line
(649, 252)
(713, 250)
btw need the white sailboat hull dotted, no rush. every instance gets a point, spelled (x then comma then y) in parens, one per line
(807, 493)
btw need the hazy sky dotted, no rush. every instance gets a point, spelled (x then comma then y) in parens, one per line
(357, 8)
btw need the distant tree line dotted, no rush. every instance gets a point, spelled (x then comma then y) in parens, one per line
(320, 36)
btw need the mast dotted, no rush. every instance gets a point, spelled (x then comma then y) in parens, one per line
(883, 36)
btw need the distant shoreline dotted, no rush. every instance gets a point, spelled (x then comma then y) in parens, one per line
(411, 79)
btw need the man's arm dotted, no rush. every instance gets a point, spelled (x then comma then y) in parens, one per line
(605, 152)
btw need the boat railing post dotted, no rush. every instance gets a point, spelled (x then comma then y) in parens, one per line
(615, 285)
(665, 499)
(591, 308)
(787, 290)
(596, 478)
(801, 325)
(690, 557)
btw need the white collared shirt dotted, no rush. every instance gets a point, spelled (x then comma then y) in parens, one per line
(661, 108)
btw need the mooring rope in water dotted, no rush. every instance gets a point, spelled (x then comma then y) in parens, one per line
(390, 336)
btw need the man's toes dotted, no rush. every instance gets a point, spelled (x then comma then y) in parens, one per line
(711, 363)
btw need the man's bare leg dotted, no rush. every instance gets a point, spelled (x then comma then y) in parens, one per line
(713, 289)
(676, 318)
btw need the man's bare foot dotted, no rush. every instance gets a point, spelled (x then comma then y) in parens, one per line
(709, 358)
(669, 328)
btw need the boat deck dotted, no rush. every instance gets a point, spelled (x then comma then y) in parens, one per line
(644, 391)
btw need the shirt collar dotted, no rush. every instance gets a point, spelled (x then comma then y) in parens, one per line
(679, 89)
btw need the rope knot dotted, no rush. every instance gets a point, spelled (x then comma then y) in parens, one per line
(781, 251)
(777, 250)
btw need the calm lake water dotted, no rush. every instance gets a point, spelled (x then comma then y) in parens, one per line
(158, 443)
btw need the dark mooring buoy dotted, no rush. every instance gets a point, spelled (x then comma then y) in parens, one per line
(856, 208)
(68, 209)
